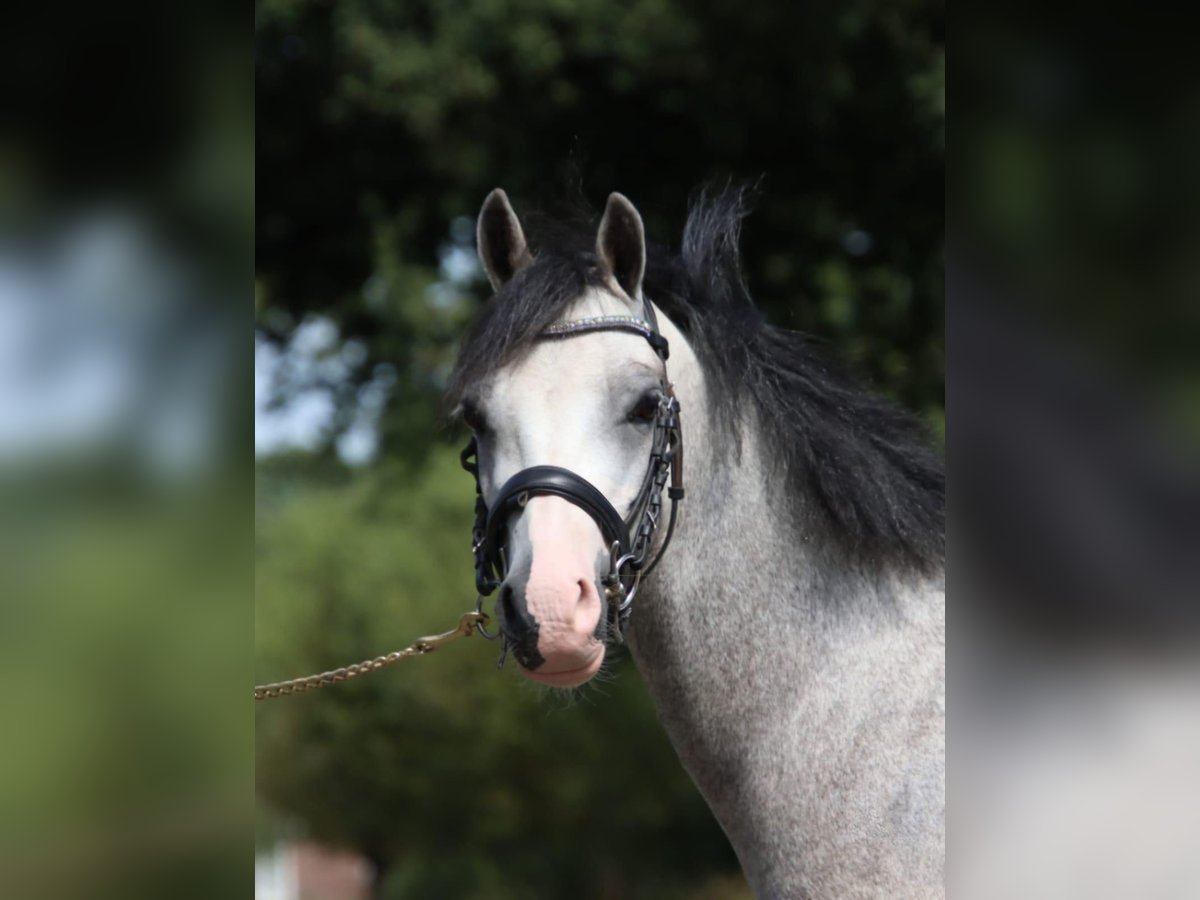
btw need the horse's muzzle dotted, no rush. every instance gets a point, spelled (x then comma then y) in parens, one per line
(550, 608)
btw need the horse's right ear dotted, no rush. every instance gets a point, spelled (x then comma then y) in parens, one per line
(500, 240)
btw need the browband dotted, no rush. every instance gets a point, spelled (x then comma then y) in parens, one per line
(646, 328)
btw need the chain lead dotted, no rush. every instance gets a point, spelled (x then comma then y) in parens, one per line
(467, 623)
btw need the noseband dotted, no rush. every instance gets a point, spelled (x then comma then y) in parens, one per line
(628, 538)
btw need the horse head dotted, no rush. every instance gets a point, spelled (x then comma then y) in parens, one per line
(573, 438)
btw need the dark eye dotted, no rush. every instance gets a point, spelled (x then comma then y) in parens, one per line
(646, 409)
(473, 416)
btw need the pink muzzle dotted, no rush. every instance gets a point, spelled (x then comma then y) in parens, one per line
(560, 594)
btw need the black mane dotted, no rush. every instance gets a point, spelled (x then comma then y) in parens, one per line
(865, 465)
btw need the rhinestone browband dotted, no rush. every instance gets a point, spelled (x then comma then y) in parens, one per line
(632, 324)
(575, 326)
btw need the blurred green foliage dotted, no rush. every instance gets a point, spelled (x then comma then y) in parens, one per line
(123, 767)
(454, 779)
(381, 127)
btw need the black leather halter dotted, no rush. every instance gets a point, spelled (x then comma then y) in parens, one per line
(629, 537)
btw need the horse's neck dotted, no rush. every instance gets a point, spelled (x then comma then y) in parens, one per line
(804, 701)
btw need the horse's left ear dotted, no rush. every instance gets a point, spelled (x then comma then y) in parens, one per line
(621, 245)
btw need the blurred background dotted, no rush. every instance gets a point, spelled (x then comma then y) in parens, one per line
(128, 550)
(126, 265)
(381, 126)
(1073, 224)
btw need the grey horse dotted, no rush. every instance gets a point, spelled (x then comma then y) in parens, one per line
(793, 635)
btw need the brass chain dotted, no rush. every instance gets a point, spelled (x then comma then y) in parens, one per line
(467, 624)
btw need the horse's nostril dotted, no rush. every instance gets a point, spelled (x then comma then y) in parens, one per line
(527, 655)
(519, 627)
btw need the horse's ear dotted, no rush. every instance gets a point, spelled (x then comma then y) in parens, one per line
(621, 245)
(500, 240)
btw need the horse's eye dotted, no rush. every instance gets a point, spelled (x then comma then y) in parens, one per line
(645, 410)
(473, 416)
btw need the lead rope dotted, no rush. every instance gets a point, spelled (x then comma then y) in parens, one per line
(467, 623)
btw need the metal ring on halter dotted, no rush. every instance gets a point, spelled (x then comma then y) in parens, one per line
(627, 603)
(616, 589)
(615, 563)
(621, 563)
(479, 626)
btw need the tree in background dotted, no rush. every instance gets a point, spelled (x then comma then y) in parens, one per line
(382, 125)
